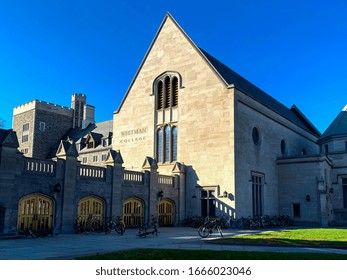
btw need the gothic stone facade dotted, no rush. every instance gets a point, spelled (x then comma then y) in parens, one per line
(47, 194)
(220, 144)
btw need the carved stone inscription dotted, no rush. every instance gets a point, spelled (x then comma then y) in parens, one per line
(133, 135)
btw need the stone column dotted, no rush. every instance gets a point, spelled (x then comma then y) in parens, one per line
(10, 161)
(151, 166)
(69, 203)
(180, 176)
(115, 161)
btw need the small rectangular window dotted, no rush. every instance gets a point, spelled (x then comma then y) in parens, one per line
(25, 138)
(326, 148)
(296, 210)
(84, 160)
(103, 157)
(95, 158)
(25, 127)
(42, 126)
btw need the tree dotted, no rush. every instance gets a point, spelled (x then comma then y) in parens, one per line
(2, 123)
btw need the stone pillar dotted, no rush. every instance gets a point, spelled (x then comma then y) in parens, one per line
(323, 202)
(69, 203)
(151, 166)
(180, 176)
(9, 160)
(115, 161)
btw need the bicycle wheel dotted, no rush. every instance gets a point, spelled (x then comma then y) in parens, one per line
(204, 231)
(120, 228)
(142, 231)
(219, 228)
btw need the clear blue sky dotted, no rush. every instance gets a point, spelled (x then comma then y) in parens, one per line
(295, 50)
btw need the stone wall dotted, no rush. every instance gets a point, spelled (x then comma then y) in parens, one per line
(65, 181)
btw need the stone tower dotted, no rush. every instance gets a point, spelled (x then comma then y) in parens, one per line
(78, 102)
(39, 125)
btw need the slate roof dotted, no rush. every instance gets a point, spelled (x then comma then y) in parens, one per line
(232, 78)
(8, 138)
(338, 127)
(98, 131)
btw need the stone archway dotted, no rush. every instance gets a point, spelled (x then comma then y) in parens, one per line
(133, 213)
(35, 211)
(166, 213)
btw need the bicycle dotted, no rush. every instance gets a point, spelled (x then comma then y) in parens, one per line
(78, 225)
(29, 231)
(209, 226)
(143, 232)
(119, 226)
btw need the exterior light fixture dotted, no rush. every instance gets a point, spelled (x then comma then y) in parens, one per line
(160, 194)
(57, 187)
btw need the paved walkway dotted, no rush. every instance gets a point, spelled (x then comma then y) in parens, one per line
(69, 246)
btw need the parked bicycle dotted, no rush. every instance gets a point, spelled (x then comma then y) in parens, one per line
(210, 225)
(119, 226)
(144, 231)
(29, 231)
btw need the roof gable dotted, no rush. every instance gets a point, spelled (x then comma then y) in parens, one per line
(168, 18)
(338, 127)
(8, 138)
(230, 78)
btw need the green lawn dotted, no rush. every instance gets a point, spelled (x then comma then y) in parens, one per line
(175, 254)
(297, 237)
(321, 237)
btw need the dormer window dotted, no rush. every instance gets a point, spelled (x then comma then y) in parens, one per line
(90, 145)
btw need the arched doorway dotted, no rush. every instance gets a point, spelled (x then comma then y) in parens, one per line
(166, 213)
(133, 212)
(35, 211)
(91, 207)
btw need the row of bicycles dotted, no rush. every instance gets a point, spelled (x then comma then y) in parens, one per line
(211, 224)
(263, 222)
(95, 224)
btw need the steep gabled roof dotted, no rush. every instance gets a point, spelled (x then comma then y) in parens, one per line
(338, 127)
(97, 131)
(8, 138)
(231, 78)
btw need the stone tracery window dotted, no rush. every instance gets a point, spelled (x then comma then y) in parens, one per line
(166, 143)
(166, 91)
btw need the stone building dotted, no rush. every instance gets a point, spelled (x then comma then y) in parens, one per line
(190, 137)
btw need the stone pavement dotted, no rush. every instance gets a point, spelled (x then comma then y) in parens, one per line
(69, 246)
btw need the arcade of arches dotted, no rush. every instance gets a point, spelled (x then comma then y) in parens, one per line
(35, 211)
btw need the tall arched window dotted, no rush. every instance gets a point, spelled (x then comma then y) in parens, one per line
(166, 91)
(167, 135)
(174, 143)
(160, 94)
(174, 91)
(160, 145)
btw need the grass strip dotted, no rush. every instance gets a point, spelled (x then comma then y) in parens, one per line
(175, 254)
